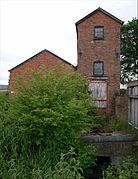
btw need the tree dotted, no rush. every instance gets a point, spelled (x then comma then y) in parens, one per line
(129, 51)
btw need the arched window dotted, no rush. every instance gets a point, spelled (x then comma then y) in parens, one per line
(98, 68)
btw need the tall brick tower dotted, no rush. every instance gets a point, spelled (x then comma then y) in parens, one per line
(98, 50)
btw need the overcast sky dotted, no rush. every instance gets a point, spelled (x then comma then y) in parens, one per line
(30, 26)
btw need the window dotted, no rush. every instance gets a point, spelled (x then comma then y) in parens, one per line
(98, 69)
(99, 32)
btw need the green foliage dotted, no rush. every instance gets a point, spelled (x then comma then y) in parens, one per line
(4, 105)
(67, 168)
(129, 51)
(127, 169)
(53, 105)
(136, 144)
(122, 92)
(115, 123)
(44, 120)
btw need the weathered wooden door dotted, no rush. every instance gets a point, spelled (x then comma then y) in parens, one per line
(98, 90)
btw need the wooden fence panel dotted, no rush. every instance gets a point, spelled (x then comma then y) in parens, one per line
(133, 103)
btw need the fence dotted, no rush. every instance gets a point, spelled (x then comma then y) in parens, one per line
(133, 103)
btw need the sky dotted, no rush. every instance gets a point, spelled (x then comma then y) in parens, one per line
(30, 26)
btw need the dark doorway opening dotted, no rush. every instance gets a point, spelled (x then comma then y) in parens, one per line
(102, 162)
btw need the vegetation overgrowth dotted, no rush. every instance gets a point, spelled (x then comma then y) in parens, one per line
(127, 169)
(41, 121)
(115, 124)
(40, 128)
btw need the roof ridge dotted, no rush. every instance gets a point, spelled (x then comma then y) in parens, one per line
(41, 52)
(103, 11)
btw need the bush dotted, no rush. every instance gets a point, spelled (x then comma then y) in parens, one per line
(127, 169)
(46, 117)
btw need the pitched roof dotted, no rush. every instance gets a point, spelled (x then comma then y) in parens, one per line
(104, 12)
(43, 51)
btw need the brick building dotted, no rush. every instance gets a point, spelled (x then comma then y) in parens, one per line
(98, 44)
(44, 59)
(98, 51)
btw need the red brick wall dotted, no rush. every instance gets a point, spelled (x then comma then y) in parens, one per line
(37, 63)
(106, 50)
(121, 107)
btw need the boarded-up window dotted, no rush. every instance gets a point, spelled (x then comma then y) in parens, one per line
(98, 91)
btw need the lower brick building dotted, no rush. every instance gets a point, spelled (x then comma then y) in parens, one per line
(42, 60)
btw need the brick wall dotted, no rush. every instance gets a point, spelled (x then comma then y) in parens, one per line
(106, 50)
(121, 106)
(43, 60)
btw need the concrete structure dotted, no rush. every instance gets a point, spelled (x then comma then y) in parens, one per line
(114, 146)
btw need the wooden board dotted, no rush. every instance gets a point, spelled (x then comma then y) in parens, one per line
(98, 90)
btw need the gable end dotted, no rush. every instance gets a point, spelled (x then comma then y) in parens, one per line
(104, 12)
(43, 51)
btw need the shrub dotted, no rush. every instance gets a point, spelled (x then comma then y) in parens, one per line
(46, 117)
